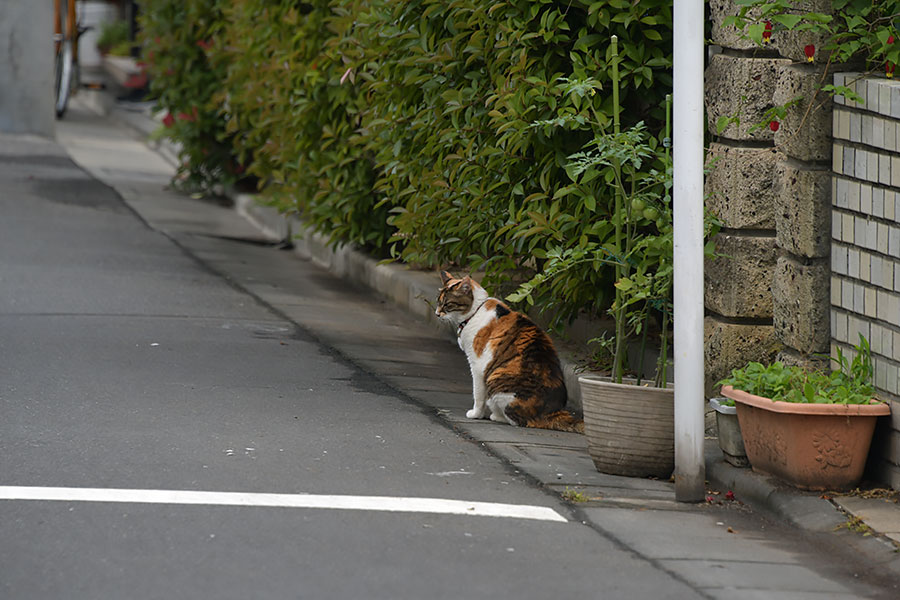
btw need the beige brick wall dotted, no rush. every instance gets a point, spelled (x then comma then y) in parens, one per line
(865, 242)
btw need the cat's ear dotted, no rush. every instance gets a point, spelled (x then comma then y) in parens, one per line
(466, 284)
(445, 277)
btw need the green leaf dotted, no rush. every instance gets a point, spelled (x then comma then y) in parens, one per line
(755, 32)
(723, 122)
(788, 20)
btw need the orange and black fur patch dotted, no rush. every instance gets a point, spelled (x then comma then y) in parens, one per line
(526, 365)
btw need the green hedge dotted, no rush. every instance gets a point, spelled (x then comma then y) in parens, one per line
(433, 131)
(455, 92)
(292, 115)
(178, 37)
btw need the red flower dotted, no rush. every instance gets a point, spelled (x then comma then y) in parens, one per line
(890, 39)
(710, 499)
(889, 70)
(192, 116)
(774, 125)
(767, 33)
(204, 44)
(810, 52)
(729, 495)
(168, 120)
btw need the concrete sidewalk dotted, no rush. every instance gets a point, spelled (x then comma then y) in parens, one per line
(399, 341)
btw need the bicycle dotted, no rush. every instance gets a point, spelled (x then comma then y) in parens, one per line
(66, 32)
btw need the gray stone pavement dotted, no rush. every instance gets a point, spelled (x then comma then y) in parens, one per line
(723, 548)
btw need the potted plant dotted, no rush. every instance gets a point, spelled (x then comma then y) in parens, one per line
(811, 429)
(114, 39)
(629, 426)
(731, 442)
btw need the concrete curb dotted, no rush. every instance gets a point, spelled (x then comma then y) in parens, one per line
(411, 290)
(806, 510)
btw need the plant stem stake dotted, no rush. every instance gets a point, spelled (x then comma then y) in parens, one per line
(621, 269)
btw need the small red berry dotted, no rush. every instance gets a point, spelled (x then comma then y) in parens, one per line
(168, 120)
(774, 125)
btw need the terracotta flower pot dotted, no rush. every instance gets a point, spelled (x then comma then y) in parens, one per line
(811, 446)
(630, 429)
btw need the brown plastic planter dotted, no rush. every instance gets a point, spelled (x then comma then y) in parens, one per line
(811, 446)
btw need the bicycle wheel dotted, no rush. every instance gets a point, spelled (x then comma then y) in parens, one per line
(64, 74)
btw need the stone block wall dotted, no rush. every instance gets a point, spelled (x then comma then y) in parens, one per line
(810, 213)
(767, 295)
(865, 233)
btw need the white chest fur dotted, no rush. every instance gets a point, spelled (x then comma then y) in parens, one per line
(476, 323)
(494, 405)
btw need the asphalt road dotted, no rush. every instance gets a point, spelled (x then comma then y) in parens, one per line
(139, 365)
(126, 364)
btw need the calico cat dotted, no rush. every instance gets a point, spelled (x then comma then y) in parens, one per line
(516, 375)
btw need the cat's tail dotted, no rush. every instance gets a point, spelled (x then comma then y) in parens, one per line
(560, 420)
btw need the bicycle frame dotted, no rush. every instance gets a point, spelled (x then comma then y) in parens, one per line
(64, 26)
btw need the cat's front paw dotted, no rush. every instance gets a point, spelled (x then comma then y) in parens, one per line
(475, 414)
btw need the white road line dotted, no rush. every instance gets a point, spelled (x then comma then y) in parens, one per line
(375, 503)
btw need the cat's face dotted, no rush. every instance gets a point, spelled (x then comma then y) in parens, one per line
(455, 296)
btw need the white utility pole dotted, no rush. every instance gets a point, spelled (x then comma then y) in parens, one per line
(687, 143)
